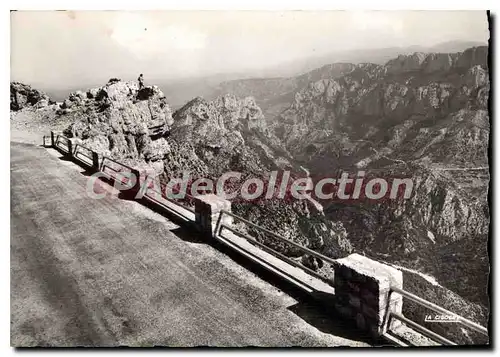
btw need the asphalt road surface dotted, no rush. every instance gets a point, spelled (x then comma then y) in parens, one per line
(109, 272)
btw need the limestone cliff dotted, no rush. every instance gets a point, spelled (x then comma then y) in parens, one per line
(423, 116)
(121, 121)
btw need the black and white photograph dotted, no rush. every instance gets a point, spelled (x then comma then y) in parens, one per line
(237, 178)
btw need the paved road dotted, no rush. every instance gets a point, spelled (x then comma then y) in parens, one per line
(110, 272)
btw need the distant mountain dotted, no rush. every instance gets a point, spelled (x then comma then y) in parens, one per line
(274, 88)
(454, 46)
(375, 55)
(423, 116)
(274, 94)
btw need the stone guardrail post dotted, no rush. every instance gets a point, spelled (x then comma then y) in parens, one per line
(121, 179)
(130, 192)
(207, 209)
(137, 185)
(95, 161)
(362, 288)
(52, 139)
(70, 148)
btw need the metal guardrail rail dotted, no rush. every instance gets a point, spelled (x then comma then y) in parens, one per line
(137, 173)
(92, 156)
(82, 153)
(119, 175)
(103, 165)
(461, 320)
(436, 308)
(188, 208)
(220, 226)
(421, 329)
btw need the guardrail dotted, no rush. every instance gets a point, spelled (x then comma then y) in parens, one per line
(431, 306)
(45, 137)
(390, 315)
(123, 179)
(220, 226)
(137, 186)
(86, 156)
(90, 158)
(103, 166)
(66, 147)
(183, 206)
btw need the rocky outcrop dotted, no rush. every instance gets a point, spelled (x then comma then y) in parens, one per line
(214, 130)
(23, 96)
(438, 62)
(210, 138)
(405, 63)
(119, 120)
(226, 113)
(475, 56)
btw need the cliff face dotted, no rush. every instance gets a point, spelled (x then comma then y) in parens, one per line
(217, 132)
(370, 96)
(230, 134)
(120, 120)
(273, 95)
(422, 116)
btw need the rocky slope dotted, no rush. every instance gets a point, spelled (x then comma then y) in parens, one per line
(230, 134)
(420, 116)
(423, 115)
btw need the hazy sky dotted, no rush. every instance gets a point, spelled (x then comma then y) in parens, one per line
(70, 48)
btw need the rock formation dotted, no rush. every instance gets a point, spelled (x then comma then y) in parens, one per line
(23, 96)
(423, 116)
(120, 120)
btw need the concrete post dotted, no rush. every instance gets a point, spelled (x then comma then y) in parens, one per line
(95, 161)
(207, 210)
(52, 139)
(362, 287)
(70, 148)
(127, 192)
(137, 185)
